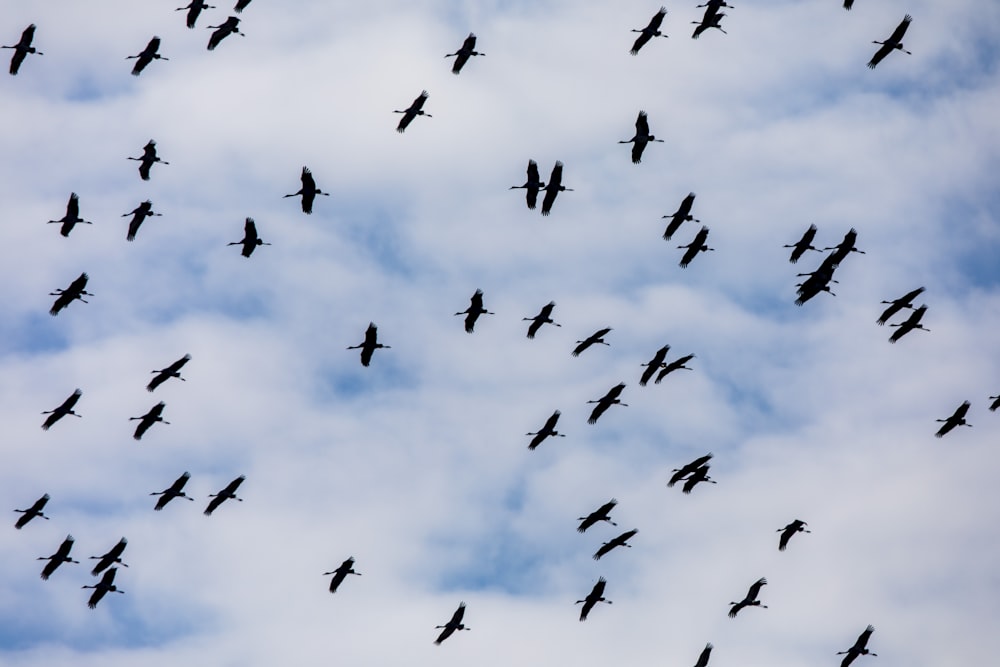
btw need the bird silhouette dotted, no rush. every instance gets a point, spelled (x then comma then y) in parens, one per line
(241, 5)
(548, 430)
(171, 371)
(344, 569)
(912, 322)
(896, 305)
(194, 11)
(803, 244)
(72, 217)
(114, 555)
(145, 421)
(532, 185)
(606, 401)
(75, 292)
(860, 647)
(175, 490)
(796, 526)
(33, 511)
(654, 365)
(689, 469)
(104, 586)
(595, 595)
(619, 541)
(651, 30)
(675, 365)
(462, 55)
(308, 191)
(147, 159)
(750, 600)
(415, 109)
(678, 217)
(596, 338)
(452, 625)
(699, 475)
(704, 656)
(143, 58)
(553, 188)
(64, 408)
(474, 310)
(602, 513)
(712, 18)
(228, 492)
(139, 214)
(228, 27)
(957, 418)
(22, 49)
(250, 240)
(895, 42)
(58, 558)
(369, 345)
(544, 316)
(696, 246)
(641, 138)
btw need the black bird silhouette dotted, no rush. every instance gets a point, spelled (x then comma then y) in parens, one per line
(817, 281)
(241, 5)
(22, 49)
(803, 244)
(415, 109)
(688, 469)
(595, 595)
(171, 371)
(602, 513)
(474, 310)
(65, 408)
(175, 490)
(454, 624)
(895, 41)
(896, 305)
(76, 291)
(957, 418)
(653, 365)
(139, 214)
(705, 654)
(796, 526)
(72, 216)
(345, 568)
(675, 365)
(549, 429)
(700, 474)
(250, 240)
(104, 586)
(848, 4)
(641, 138)
(228, 27)
(194, 11)
(154, 415)
(462, 55)
(649, 32)
(553, 188)
(678, 217)
(860, 647)
(148, 159)
(696, 246)
(308, 191)
(114, 555)
(606, 401)
(33, 511)
(532, 185)
(845, 247)
(369, 345)
(620, 541)
(544, 316)
(995, 404)
(228, 492)
(711, 19)
(750, 600)
(58, 558)
(911, 323)
(148, 55)
(593, 339)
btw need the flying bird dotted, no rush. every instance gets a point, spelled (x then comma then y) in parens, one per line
(154, 415)
(606, 401)
(345, 568)
(750, 600)
(602, 513)
(957, 418)
(104, 586)
(549, 429)
(58, 558)
(860, 647)
(65, 408)
(148, 55)
(796, 526)
(544, 316)
(995, 404)
(593, 339)
(653, 365)
(688, 469)
(228, 27)
(171, 371)
(462, 55)
(369, 345)
(848, 4)
(678, 217)
(194, 11)
(72, 217)
(250, 240)
(696, 246)
(532, 185)
(711, 19)
(700, 474)
(649, 32)
(912, 322)
(308, 191)
(22, 49)
(33, 511)
(139, 214)
(415, 109)
(147, 160)
(595, 595)
(175, 490)
(228, 492)
(817, 281)
(895, 41)
(620, 541)
(896, 305)
(241, 5)
(454, 624)
(474, 310)
(641, 138)
(803, 244)
(114, 555)
(705, 654)
(553, 188)
(76, 291)
(845, 247)
(675, 365)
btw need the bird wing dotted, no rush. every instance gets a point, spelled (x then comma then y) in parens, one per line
(897, 34)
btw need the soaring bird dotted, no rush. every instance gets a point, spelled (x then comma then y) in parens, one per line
(104, 586)
(860, 647)
(549, 429)
(345, 568)
(228, 492)
(114, 555)
(700, 474)
(415, 109)
(803, 244)
(369, 345)
(817, 281)
(595, 595)
(957, 418)
(678, 217)
(154, 415)
(606, 401)
(139, 214)
(602, 513)
(462, 55)
(454, 624)
(620, 541)
(308, 191)
(912, 322)
(474, 310)
(194, 10)
(596, 338)
(22, 49)
(848, 4)
(704, 656)
(995, 404)
(241, 5)
(845, 247)
(228, 27)
(250, 240)
(712, 18)
(171, 371)
(64, 408)
(544, 316)
(58, 558)
(895, 41)
(750, 600)
(33, 511)
(796, 526)
(675, 365)
(688, 469)
(175, 490)
(641, 138)
(72, 216)
(553, 188)
(650, 31)
(532, 185)
(75, 292)
(148, 55)
(896, 305)
(696, 246)
(654, 365)
(147, 160)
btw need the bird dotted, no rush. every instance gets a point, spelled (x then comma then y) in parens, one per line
(415, 109)
(641, 138)
(797, 526)
(848, 4)
(803, 244)
(817, 281)
(649, 32)
(549, 429)
(149, 54)
(653, 365)
(58, 558)
(241, 5)
(700, 474)
(696, 246)
(544, 316)
(531, 186)
(957, 418)
(22, 49)
(595, 595)
(462, 55)
(995, 404)
(606, 401)
(139, 214)
(894, 42)
(33, 511)
(678, 217)
(896, 305)
(114, 555)
(148, 159)
(675, 365)
(194, 10)
(65, 408)
(593, 339)
(228, 27)
(620, 541)
(229, 491)
(845, 247)
(171, 371)
(345, 568)
(703, 657)
(750, 600)
(684, 471)
(711, 19)
(175, 490)
(72, 216)
(602, 513)
(454, 624)
(369, 345)
(104, 586)
(75, 291)
(250, 240)
(860, 647)
(474, 310)
(308, 191)
(154, 415)
(911, 323)
(553, 188)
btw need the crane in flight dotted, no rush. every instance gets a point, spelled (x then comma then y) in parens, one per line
(452, 625)
(750, 600)
(104, 586)
(651, 30)
(860, 647)
(369, 344)
(595, 595)
(339, 574)
(22, 49)
(462, 55)
(63, 409)
(548, 430)
(146, 56)
(33, 511)
(602, 513)
(796, 526)
(227, 493)
(895, 42)
(72, 217)
(171, 371)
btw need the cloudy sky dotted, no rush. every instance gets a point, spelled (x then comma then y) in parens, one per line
(418, 466)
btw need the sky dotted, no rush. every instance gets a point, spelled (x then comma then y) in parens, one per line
(417, 466)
